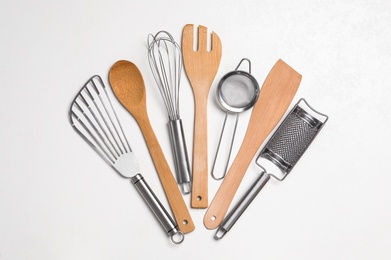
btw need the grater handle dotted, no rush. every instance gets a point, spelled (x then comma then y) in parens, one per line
(242, 205)
(157, 208)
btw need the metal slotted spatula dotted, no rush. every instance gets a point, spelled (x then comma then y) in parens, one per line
(92, 115)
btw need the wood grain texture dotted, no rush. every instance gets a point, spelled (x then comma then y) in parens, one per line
(128, 85)
(275, 97)
(201, 67)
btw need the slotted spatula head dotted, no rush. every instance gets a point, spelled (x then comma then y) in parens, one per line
(200, 64)
(92, 115)
(94, 118)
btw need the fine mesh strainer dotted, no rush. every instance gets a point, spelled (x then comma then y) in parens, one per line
(237, 91)
(280, 154)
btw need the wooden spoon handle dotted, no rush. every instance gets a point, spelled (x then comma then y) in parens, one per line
(276, 94)
(174, 196)
(199, 195)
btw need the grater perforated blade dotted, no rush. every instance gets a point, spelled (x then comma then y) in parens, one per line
(292, 138)
(284, 149)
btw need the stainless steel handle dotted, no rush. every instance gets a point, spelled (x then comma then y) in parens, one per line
(241, 206)
(157, 208)
(181, 158)
(221, 142)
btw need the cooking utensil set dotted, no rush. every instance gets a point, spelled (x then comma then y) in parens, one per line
(93, 116)
(275, 96)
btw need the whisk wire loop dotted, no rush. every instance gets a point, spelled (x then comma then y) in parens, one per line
(165, 60)
(166, 65)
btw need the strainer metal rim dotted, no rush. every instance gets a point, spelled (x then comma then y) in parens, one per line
(249, 104)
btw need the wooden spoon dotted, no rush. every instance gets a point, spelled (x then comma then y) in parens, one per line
(201, 67)
(276, 94)
(128, 85)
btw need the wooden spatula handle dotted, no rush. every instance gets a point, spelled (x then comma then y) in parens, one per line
(225, 194)
(199, 195)
(276, 94)
(174, 196)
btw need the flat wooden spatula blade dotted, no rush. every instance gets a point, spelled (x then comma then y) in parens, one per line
(275, 97)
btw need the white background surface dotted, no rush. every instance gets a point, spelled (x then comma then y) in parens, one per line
(59, 200)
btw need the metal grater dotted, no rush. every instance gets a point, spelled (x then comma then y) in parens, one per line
(292, 138)
(284, 149)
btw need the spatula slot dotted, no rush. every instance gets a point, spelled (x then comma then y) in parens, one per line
(93, 116)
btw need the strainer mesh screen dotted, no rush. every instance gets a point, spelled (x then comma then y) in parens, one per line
(238, 91)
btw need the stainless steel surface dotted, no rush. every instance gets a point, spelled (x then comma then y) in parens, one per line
(292, 138)
(92, 115)
(284, 149)
(242, 205)
(157, 208)
(237, 91)
(165, 60)
(181, 159)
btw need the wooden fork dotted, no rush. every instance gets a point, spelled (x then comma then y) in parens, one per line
(201, 67)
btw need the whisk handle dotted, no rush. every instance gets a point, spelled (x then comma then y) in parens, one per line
(181, 158)
(157, 208)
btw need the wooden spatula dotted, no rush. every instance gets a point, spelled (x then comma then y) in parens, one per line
(276, 94)
(201, 67)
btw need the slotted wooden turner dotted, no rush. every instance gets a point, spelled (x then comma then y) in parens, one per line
(276, 94)
(201, 67)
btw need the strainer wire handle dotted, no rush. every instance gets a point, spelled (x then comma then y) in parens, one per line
(249, 64)
(214, 176)
(230, 148)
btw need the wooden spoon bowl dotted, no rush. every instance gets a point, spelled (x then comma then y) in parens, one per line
(128, 85)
